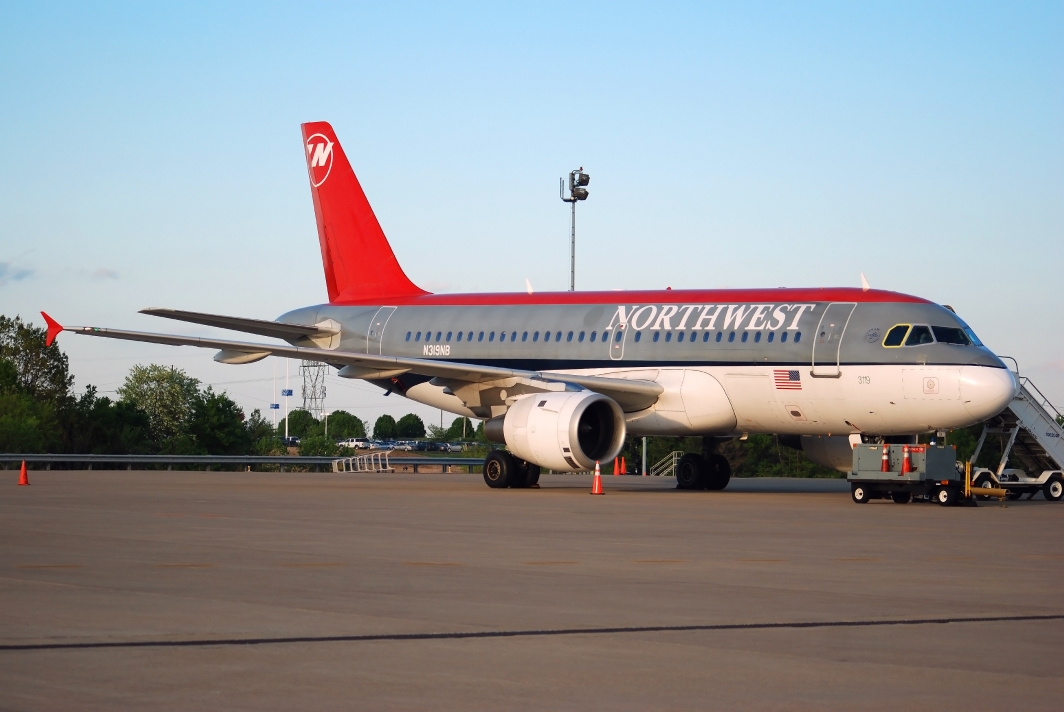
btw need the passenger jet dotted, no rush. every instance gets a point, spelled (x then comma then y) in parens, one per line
(563, 377)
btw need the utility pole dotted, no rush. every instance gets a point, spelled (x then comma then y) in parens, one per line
(578, 181)
(644, 456)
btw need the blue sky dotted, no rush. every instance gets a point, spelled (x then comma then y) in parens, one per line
(150, 156)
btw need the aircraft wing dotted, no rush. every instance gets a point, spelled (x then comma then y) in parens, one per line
(236, 323)
(631, 394)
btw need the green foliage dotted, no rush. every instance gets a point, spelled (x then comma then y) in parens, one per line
(318, 445)
(384, 428)
(410, 426)
(300, 424)
(217, 425)
(28, 424)
(101, 426)
(40, 371)
(757, 456)
(343, 425)
(168, 397)
(461, 429)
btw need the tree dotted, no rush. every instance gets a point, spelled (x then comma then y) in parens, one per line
(318, 445)
(217, 425)
(167, 396)
(343, 425)
(461, 429)
(410, 426)
(41, 371)
(384, 428)
(300, 424)
(96, 425)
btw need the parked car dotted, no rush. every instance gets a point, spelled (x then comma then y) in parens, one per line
(451, 447)
(404, 445)
(291, 441)
(421, 446)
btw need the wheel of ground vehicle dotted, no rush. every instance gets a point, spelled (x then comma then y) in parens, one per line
(525, 475)
(901, 497)
(1053, 490)
(500, 469)
(1014, 494)
(719, 472)
(859, 493)
(945, 496)
(691, 472)
(984, 480)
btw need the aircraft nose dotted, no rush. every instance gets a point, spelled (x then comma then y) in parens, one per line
(987, 391)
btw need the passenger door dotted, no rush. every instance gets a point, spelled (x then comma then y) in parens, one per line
(827, 342)
(616, 339)
(375, 331)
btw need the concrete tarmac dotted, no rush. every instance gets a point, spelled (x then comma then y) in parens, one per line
(198, 590)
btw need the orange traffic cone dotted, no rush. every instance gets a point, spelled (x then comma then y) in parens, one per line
(23, 478)
(906, 460)
(616, 466)
(624, 468)
(885, 465)
(596, 486)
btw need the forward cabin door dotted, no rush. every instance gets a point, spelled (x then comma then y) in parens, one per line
(616, 339)
(827, 343)
(375, 331)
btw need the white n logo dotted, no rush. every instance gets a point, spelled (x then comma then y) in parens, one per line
(322, 153)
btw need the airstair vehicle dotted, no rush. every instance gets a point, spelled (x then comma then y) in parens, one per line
(1035, 437)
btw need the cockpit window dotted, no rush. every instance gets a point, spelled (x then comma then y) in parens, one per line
(919, 335)
(896, 335)
(950, 335)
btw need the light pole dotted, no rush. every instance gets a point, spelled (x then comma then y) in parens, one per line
(577, 191)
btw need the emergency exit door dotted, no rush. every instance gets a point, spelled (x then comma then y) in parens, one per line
(827, 343)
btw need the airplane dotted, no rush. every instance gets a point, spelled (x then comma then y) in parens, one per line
(562, 378)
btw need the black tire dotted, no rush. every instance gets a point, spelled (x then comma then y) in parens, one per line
(984, 480)
(901, 497)
(1053, 490)
(691, 472)
(526, 475)
(1014, 494)
(500, 469)
(859, 493)
(718, 473)
(946, 496)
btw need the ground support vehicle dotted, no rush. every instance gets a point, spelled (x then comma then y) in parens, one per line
(1031, 432)
(932, 472)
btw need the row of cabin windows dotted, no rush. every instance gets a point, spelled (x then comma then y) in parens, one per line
(557, 336)
(920, 334)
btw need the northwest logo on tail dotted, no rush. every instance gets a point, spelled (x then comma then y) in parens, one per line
(319, 158)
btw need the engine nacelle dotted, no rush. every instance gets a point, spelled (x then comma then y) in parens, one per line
(564, 431)
(834, 451)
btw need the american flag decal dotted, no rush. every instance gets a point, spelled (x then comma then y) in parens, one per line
(787, 380)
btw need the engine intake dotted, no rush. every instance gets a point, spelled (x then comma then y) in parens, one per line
(565, 431)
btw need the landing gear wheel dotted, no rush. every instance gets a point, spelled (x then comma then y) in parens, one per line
(1013, 495)
(1053, 490)
(859, 493)
(983, 480)
(691, 472)
(500, 469)
(901, 497)
(946, 496)
(719, 472)
(527, 475)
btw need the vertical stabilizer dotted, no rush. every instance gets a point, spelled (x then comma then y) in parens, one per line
(359, 263)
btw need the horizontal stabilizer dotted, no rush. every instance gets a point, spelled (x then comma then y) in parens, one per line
(250, 326)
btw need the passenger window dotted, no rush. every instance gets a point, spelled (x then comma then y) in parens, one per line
(558, 336)
(459, 335)
(470, 337)
(746, 335)
(668, 336)
(593, 337)
(638, 336)
(513, 335)
(546, 336)
(919, 335)
(448, 336)
(896, 336)
(408, 336)
(719, 335)
(705, 338)
(438, 335)
(480, 337)
(731, 337)
(771, 336)
(797, 336)
(569, 337)
(418, 337)
(619, 336)
(491, 336)
(656, 335)
(535, 336)
(502, 336)
(783, 338)
(950, 335)
(581, 337)
(757, 337)
(679, 337)
(524, 336)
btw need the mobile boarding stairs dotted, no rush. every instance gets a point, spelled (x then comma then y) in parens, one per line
(1032, 433)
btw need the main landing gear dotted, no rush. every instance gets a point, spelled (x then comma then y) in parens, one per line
(502, 470)
(709, 471)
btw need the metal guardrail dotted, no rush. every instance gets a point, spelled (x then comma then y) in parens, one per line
(666, 467)
(334, 463)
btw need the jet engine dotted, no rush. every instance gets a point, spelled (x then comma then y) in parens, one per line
(833, 451)
(565, 431)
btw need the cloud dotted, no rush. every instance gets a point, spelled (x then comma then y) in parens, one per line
(103, 273)
(10, 273)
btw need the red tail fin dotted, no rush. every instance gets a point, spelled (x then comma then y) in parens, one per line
(359, 262)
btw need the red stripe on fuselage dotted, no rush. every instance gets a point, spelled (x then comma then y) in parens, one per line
(670, 296)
